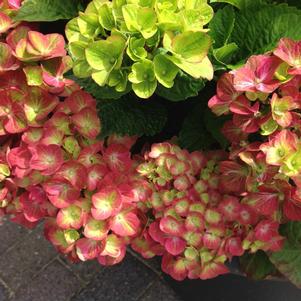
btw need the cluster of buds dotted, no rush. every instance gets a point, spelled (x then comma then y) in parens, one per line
(192, 222)
(263, 100)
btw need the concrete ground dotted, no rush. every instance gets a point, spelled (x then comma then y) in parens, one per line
(31, 270)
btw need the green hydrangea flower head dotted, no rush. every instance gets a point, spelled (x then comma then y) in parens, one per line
(141, 42)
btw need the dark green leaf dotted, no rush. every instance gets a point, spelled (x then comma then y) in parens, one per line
(184, 87)
(257, 266)
(222, 26)
(48, 10)
(288, 260)
(98, 92)
(214, 125)
(258, 30)
(194, 135)
(131, 116)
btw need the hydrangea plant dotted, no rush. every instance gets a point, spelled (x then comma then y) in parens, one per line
(141, 43)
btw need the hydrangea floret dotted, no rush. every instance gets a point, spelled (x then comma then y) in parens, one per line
(193, 222)
(141, 42)
(262, 99)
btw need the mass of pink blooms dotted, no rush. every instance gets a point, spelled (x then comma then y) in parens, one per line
(263, 101)
(197, 210)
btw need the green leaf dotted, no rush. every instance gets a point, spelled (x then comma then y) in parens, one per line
(184, 87)
(100, 92)
(221, 26)
(129, 116)
(241, 4)
(257, 266)
(225, 53)
(288, 260)
(258, 30)
(48, 10)
(194, 135)
(214, 125)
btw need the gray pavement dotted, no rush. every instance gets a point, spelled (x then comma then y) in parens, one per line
(31, 270)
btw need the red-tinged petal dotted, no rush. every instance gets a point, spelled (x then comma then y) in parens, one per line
(32, 136)
(88, 249)
(159, 149)
(179, 270)
(233, 133)
(266, 230)
(170, 225)
(60, 121)
(74, 172)
(243, 106)
(70, 217)
(233, 246)
(109, 261)
(79, 100)
(219, 106)
(125, 223)
(198, 161)
(16, 35)
(5, 22)
(233, 176)
(182, 206)
(282, 145)
(265, 203)
(91, 155)
(247, 216)
(230, 208)
(87, 123)
(156, 233)
(38, 104)
(175, 245)
(95, 174)
(52, 136)
(127, 141)
(114, 246)
(289, 51)
(292, 211)
(182, 183)
(106, 203)
(257, 74)
(247, 123)
(211, 241)
(195, 221)
(118, 158)
(46, 46)
(60, 193)
(46, 158)
(96, 230)
(212, 270)
(19, 157)
(7, 60)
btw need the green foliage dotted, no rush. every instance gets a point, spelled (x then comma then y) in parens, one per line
(142, 42)
(99, 92)
(257, 266)
(183, 88)
(129, 116)
(288, 260)
(255, 29)
(201, 130)
(48, 10)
